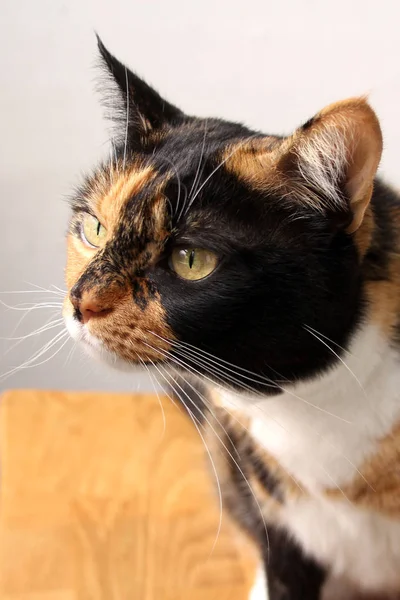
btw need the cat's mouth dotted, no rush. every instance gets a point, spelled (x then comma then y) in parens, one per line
(115, 345)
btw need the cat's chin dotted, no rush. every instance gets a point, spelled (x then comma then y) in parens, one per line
(95, 347)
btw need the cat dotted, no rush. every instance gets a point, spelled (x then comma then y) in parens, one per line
(265, 270)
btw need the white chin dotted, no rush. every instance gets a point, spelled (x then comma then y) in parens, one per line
(95, 347)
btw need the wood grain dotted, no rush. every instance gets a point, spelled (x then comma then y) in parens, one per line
(99, 502)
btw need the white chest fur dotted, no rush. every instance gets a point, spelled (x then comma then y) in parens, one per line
(362, 546)
(321, 432)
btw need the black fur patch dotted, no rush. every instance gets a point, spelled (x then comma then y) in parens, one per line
(385, 238)
(291, 574)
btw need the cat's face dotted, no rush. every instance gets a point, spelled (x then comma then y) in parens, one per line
(208, 246)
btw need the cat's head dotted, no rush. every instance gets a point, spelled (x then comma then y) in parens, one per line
(206, 245)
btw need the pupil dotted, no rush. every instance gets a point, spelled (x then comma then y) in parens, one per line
(98, 228)
(191, 259)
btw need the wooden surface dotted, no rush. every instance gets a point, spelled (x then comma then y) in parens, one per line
(98, 502)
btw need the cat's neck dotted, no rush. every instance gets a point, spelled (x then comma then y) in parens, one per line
(323, 430)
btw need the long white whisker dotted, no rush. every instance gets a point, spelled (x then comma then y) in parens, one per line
(261, 378)
(32, 292)
(56, 289)
(254, 393)
(214, 468)
(156, 392)
(220, 368)
(53, 355)
(41, 329)
(127, 117)
(181, 363)
(179, 183)
(337, 356)
(31, 362)
(70, 354)
(196, 180)
(208, 406)
(221, 164)
(234, 462)
(328, 339)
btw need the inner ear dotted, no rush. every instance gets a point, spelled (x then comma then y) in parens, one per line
(335, 157)
(137, 106)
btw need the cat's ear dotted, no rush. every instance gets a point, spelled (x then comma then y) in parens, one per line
(136, 106)
(332, 160)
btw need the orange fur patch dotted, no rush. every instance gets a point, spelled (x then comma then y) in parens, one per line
(108, 198)
(378, 485)
(124, 328)
(343, 142)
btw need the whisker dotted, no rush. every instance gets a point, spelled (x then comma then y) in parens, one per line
(221, 164)
(213, 466)
(222, 369)
(208, 406)
(181, 363)
(30, 363)
(52, 291)
(198, 174)
(327, 338)
(234, 462)
(70, 353)
(127, 118)
(254, 392)
(179, 185)
(65, 341)
(156, 392)
(261, 378)
(337, 356)
(41, 329)
(216, 372)
(27, 307)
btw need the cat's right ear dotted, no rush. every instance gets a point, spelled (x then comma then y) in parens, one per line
(136, 108)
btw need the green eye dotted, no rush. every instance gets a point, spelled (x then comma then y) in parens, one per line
(193, 263)
(93, 232)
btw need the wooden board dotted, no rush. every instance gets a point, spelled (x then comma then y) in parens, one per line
(100, 502)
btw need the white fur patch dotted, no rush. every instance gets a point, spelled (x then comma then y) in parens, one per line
(321, 432)
(322, 163)
(259, 591)
(356, 544)
(93, 346)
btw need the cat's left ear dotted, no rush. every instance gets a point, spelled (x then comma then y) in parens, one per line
(139, 107)
(331, 162)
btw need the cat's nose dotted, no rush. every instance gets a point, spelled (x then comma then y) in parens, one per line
(86, 307)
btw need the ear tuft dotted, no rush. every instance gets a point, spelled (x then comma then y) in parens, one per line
(135, 107)
(336, 155)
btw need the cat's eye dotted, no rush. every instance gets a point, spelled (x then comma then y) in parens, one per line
(193, 263)
(93, 232)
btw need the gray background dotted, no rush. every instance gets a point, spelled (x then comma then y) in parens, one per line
(269, 63)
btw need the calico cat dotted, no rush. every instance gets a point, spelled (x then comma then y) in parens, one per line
(267, 268)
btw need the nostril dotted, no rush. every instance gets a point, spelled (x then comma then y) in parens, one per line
(90, 309)
(86, 314)
(86, 306)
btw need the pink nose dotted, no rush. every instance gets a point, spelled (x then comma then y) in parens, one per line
(87, 308)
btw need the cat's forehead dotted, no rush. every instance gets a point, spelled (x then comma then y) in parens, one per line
(186, 164)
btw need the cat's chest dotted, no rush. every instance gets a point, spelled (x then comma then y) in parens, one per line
(360, 545)
(324, 432)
